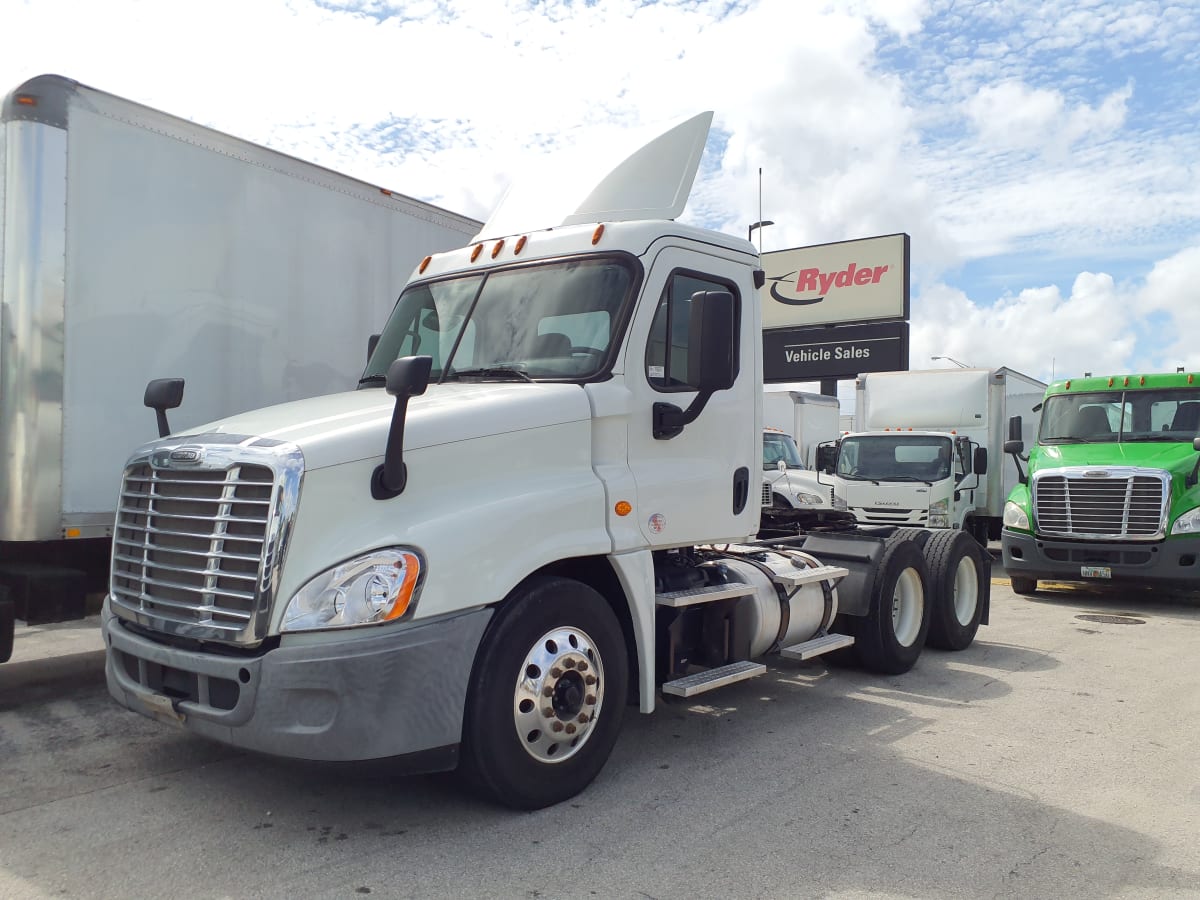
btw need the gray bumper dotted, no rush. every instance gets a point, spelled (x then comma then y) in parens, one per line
(1171, 563)
(375, 694)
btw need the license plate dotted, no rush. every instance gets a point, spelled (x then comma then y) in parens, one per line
(162, 708)
(1095, 572)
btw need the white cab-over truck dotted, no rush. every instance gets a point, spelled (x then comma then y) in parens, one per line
(793, 497)
(928, 448)
(540, 506)
(137, 244)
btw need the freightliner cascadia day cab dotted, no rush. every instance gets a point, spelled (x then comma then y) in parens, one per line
(1111, 488)
(928, 447)
(136, 243)
(540, 506)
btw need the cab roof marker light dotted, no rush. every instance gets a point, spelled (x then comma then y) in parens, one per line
(1067, 386)
(521, 241)
(1189, 379)
(1110, 381)
(1142, 380)
(597, 234)
(475, 251)
(424, 265)
(1126, 384)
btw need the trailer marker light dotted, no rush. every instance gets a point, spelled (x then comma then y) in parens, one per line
(475, 251)
(424, 265)
(496, 248)
(623, 508)
(385, 192)
(521, 241)
(597, 234)
(26, 100)
(73, 532)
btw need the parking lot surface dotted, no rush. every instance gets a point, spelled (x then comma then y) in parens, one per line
(1056, 757)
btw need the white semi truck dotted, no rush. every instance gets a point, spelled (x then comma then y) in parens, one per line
(540, 505)
(811, 419)
(138, 244)
(927, 448)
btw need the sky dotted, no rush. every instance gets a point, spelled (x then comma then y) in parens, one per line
(1043, 155)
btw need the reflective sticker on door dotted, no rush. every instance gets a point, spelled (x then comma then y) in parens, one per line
(657, 523)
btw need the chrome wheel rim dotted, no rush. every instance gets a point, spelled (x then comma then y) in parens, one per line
(559, 692)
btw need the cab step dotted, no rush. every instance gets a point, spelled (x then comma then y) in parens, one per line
(807, 576)
(710, 679)
(818, 645)
(706, 594)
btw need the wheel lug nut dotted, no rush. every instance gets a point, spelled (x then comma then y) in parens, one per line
(582, 665)
(548, 712)
(557, 726)
(589, 680)
(569, 663)
(583, 718)
(591, 699)
(570, 729)
(556, 672)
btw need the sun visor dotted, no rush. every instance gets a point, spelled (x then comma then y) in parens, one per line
(652, 182)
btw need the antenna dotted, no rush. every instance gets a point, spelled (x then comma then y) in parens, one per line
(760, 218)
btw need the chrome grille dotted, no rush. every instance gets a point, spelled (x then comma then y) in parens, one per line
(196, 546)
(1122, 503)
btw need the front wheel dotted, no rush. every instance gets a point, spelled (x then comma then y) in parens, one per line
(1022, 585)
(892, 635)
(958, 581)
(547, 694)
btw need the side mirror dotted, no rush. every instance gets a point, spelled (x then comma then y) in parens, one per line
(406, 377)
(826, 458)
(1014, 447)
(163, 394)
(979, 461)
(711, 336)
(1014, 428)
(781, 466)
(1196, 444)
(712, 360)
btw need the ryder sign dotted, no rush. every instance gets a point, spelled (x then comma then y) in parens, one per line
(850, 281)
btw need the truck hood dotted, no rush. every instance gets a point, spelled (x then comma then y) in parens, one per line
(1174, 457)
(896, 495)
(341, 428)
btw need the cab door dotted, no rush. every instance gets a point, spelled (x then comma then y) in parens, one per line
(703, 484)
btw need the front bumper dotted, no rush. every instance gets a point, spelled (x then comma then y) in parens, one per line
(1171, 563)
(375, 694)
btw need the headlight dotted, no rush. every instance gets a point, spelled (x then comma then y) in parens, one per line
(804, 499)
(939, 514)
(839, 502)
(1015, 516)
(1188, 523)
(377, 587)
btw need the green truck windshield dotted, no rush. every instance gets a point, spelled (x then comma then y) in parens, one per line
(1105, 417)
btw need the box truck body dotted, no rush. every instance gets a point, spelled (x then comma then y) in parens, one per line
(136, 244)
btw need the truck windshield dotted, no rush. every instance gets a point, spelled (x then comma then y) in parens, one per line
(1105, 417)
(895, 457)
(778, 447)
(559, 321)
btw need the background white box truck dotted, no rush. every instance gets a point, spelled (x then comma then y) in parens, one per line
(135, 245)
(927, 447)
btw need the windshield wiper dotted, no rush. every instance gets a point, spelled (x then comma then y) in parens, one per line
(491, 372)
(1065, 439)
(908, 478)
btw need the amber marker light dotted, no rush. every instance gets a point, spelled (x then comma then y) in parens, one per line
(424, 265)
(1142, 381)
(597, 234)
(26, 100)
(1110, 382)
(73, 532)
(404, 593)
(521, 241)
(475, 251)
(1067, 385)
(1189, 379)
(496, 248)
(623, 508)
(1126, 384)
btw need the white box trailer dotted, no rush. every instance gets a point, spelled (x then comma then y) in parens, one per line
(137, 244)
(810, 419)
(901, 417)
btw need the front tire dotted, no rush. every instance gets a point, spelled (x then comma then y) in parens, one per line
(547, 694)
(1022, 585)
(958, 575)
(890, 638)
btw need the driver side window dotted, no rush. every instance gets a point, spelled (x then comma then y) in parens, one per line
(667, 350)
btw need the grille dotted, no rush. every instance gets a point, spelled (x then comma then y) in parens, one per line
(1130, 506)
(766, 493)
(190, 545)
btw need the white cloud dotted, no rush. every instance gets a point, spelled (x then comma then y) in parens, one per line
(1013, 115)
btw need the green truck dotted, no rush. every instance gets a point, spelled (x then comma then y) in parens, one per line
(1110, 493)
